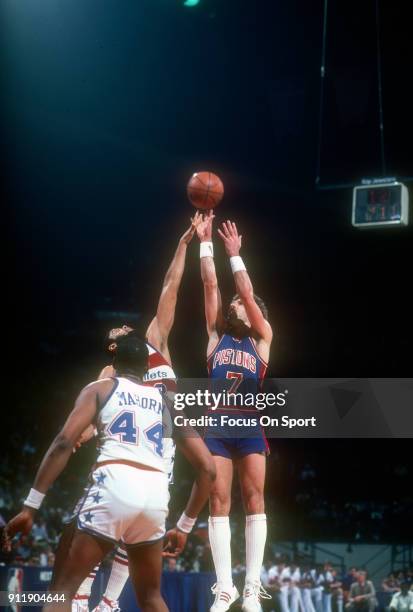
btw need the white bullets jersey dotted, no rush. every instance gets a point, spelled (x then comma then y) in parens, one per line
(161, 375)
(129, 425)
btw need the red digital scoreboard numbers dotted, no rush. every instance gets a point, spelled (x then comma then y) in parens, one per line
(380, 205)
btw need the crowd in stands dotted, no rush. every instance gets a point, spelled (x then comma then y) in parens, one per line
(302, 510)
(305, 587)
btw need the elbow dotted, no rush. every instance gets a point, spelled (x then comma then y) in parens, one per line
(62, 444)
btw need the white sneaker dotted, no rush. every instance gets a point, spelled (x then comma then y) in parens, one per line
(224, 597)
(107, 605)
(80, 604)
(253, 592)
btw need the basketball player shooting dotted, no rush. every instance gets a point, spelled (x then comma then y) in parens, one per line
(128, 494)
(238, 349)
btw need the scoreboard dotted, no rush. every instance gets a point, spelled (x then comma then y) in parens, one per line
(380, 203)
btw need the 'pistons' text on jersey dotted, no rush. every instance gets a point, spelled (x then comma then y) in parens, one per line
(236, 361)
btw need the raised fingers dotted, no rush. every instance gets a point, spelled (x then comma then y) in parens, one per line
(222, 235)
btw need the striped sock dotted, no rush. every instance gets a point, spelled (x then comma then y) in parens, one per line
(83, 591)
(118, 575)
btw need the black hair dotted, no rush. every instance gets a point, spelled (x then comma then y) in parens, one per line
(108, 340)
(131, 355)
(260, 303)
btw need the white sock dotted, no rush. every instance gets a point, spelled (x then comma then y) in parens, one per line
(255, 537)
(220, 539)
(85, 588)
(118, 575)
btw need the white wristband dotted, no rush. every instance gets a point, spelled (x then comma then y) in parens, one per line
(34, 499)
(185, 523)
(236, 264)
(206, 249)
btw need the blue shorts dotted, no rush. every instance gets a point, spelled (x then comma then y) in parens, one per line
(235, 448)
(235, 442)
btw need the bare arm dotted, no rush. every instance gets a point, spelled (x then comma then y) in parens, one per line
(201, 459)
(59, 452)
(56, 458)
(197, 453)
(212, 295)
(159, 328)
(243, 284)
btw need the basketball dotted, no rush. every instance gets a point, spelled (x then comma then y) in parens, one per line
(205, 190)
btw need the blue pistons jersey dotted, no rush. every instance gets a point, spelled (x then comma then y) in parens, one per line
(236, 359)
(234, 367)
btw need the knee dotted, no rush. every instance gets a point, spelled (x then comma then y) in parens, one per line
(253, 501)
(219, 504)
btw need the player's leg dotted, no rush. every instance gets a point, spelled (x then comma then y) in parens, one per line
(307, 601)
(284, 599)
(220, 533)
(326, 600)
(145, 568)
(296, 601)
(80, 601)
(251, 473)
(118, 577)
(317, 594)
(78, 553)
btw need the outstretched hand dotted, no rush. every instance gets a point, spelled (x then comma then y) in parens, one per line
(204, 227)
(189, 234)
(21, 523)
(176, 541)
(230, 237)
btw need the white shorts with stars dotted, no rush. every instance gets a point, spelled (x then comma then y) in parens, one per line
(124, 503)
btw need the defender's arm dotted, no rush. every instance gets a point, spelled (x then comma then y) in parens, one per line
(159, 328)
(58, 455)
(212, 295)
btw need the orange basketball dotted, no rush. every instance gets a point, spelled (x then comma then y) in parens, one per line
(205, 190)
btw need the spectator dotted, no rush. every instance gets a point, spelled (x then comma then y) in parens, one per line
(307, 584)
(39, 531)
(317, 590)
(271, 584)
(347, 581)
(362, 595)
(390, 584)
(336, 592)
(171, 565)
(326, 584)
(403, 600)
(296, 602)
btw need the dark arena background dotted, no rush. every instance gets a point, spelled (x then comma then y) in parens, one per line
(107, 109)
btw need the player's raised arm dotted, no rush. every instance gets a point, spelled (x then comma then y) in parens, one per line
(56, 458)
(232, 241)
(159, 328)
(212, 296)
